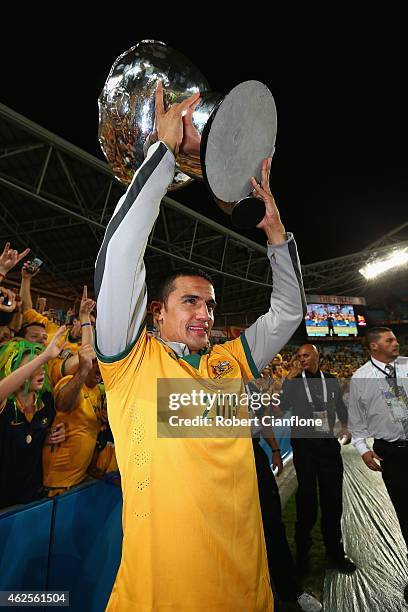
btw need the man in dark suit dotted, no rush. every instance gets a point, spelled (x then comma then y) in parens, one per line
(311, 394)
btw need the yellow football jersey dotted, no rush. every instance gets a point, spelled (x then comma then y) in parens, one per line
(66, 464)
(193, 536)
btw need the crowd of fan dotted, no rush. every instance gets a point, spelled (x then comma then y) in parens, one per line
(339, 359)
(54, 431)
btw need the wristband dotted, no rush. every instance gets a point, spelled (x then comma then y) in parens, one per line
(276, 450)
(85, 324)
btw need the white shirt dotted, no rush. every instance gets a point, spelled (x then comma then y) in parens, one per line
(369, 415)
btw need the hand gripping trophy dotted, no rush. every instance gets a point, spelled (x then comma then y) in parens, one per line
(225, 138)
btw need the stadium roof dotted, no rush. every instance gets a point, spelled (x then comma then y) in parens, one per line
(57, 199)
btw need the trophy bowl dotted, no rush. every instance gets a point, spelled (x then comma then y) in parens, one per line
(233, 132)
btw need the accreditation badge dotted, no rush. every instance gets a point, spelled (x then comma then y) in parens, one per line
(321, 419)
(397, 406)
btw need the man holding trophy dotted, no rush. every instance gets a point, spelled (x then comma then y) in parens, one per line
(192, 527)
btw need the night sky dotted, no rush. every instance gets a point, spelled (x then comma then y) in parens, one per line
(339, 174)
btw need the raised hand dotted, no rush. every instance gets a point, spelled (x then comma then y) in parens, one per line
(191, 138)
(25, 273)
(271, 224)
(55, 347)
(10, 258)
(86, 307)
(169, 124)
(41, 302)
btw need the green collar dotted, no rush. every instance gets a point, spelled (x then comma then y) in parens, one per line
(193, 360)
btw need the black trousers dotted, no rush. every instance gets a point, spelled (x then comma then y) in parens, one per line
(395, 476)
(318, 464)
(280, 561)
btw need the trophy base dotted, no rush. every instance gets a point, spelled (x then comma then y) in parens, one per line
(247, 213)
(239, 134)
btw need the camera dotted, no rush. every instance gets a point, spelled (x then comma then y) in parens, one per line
(34, 265)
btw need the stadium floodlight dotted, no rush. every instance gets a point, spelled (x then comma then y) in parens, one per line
(378, 266)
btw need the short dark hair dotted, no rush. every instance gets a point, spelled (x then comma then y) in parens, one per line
(27, 325)
(373, 334)
(166, 285)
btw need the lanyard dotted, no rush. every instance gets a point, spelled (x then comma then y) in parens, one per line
(397, 391)
(306, 385)
(21, 409)
(386, 374)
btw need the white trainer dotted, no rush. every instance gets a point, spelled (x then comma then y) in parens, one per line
(308, 603)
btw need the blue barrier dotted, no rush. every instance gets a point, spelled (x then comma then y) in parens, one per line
(24, 546)
(64, 544)
(69, 543)
(86, 545)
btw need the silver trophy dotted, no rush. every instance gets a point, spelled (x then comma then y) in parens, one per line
(232, 133)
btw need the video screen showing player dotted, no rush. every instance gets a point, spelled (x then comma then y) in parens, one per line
(330, 320)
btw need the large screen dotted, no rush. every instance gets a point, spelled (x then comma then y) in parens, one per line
(330, 320)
